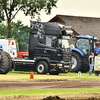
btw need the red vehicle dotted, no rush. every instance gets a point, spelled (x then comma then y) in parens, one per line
(22, 55)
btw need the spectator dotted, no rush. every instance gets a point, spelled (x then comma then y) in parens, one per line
(91, 61)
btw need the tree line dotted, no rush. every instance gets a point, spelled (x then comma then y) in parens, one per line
(10, 8)
(19, 32)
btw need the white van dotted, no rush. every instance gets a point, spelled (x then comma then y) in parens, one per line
(9, 45)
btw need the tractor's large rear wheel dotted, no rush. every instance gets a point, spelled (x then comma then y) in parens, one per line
(4, 63)
(76, 62)
(10, 62)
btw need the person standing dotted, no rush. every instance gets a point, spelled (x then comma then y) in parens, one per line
(91, 61)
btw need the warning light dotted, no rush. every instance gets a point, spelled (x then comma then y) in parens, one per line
(63, 26)
(73, 35)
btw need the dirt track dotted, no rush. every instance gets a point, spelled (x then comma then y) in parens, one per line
(49, 85)
(52, 85)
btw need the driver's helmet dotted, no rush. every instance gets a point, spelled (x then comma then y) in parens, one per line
(1, 48)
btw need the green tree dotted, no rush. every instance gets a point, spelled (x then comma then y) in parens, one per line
(21, 34)
(3, 30)
(9, 9)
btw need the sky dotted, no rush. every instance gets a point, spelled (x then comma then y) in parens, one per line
(89, 8)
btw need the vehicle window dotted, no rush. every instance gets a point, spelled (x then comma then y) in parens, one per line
(49, 40)
(84, 45)
(63, 43)
(94, 44)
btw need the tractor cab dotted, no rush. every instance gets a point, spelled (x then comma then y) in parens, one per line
(86, 43)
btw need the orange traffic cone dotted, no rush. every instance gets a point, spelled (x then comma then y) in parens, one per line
(31, 75)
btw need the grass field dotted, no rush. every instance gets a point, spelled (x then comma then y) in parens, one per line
(25, 76)
(47, 92)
